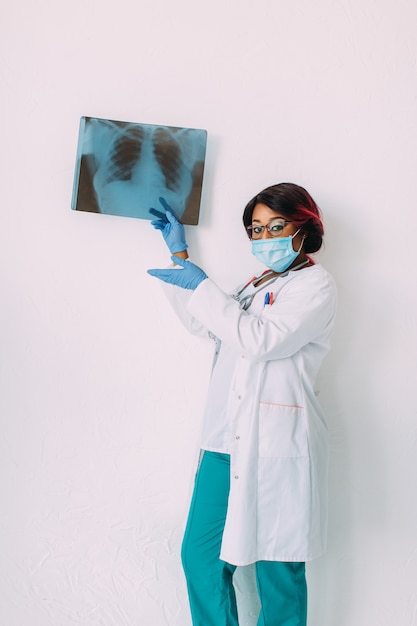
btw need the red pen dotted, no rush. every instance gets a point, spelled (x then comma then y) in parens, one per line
(271, 298)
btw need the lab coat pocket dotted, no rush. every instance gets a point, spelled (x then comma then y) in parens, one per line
(282, 431)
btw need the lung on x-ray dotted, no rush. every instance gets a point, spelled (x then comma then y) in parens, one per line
(123, 168)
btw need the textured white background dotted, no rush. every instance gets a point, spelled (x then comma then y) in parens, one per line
(102, 390)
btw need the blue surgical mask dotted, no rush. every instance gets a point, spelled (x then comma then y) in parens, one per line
(277, 254)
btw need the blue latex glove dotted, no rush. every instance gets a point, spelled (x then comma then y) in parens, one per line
(188, 278)
(172, 230)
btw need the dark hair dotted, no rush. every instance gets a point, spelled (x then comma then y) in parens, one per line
(294, 203)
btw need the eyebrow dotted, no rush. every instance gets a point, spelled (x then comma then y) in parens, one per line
(278, 217)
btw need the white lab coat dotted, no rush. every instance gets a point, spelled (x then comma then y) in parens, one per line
(277, 507)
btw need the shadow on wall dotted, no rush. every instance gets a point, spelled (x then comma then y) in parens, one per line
(246, 595)
(355, 485)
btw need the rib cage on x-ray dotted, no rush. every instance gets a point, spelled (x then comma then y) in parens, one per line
(125, 152)
(127, 149)
(135, 164)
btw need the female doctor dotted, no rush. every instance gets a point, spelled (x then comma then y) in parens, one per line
(261, 487)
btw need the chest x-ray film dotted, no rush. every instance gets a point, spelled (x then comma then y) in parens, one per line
(123, 168)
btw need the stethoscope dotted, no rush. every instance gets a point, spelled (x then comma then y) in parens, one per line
(246, 301)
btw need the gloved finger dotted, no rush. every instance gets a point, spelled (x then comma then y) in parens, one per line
(166, 275)
(171, 218)
(158, 214)
(165, 204)
(159, 224)
(170, 215)
(155, 272)
(180, 261)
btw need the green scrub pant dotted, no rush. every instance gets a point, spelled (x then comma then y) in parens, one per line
(281, 586)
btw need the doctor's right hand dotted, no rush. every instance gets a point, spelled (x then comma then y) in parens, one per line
(172, 230)
(188, 277)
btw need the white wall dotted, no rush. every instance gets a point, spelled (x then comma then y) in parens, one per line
(102, 390)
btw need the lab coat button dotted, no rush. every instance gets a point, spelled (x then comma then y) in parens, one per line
(236, 477)
(239, 397)
(237, 436)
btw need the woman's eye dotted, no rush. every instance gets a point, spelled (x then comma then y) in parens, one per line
(257, 229)
(276, 228)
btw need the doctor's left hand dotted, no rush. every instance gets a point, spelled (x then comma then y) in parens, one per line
(188, 277)
(172, 230)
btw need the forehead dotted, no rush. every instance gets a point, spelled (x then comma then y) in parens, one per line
(262, 213)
